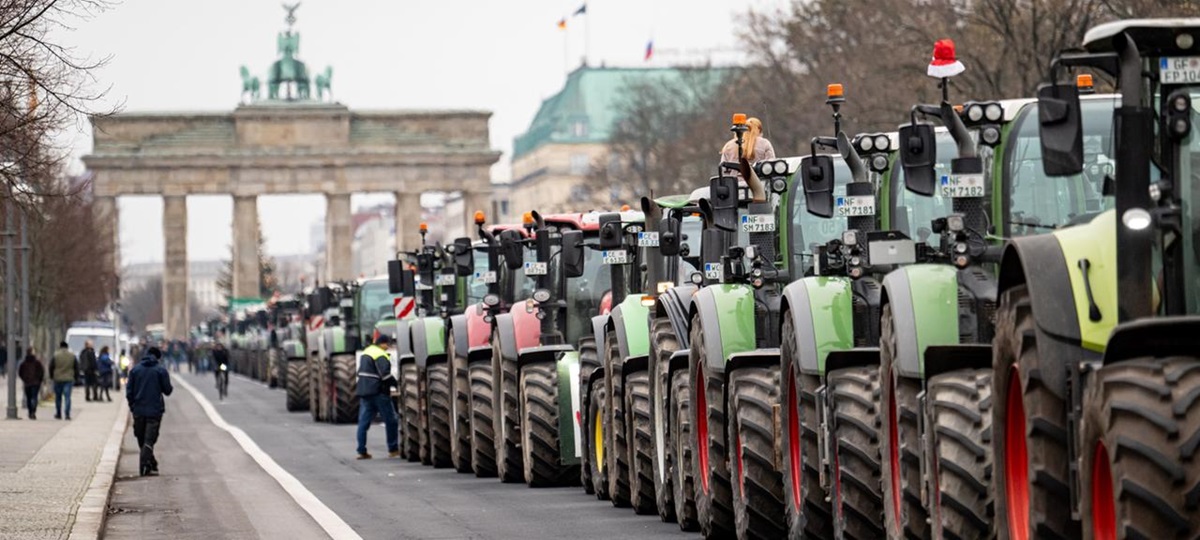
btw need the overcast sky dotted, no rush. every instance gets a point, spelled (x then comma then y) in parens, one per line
(502, 56)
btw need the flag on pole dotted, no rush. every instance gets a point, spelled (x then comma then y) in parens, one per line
(562, 23)
(649, 50)
(582, 10)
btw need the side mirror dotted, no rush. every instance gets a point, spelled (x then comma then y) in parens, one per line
(511, 250)
(918, 154)
(572, 253)
(464, 256)
(1060, 127)
(400, 280)
(818, 185)
(610, 231)
(723, 199)
(670, 237)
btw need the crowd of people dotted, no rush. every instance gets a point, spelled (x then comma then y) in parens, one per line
(99, 373)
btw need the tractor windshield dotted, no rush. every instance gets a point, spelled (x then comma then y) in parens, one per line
(375, 304)
(476, 287)
(585, 292)
(913, 214)
(808, 231)
(1036, 203)
(1189, 170)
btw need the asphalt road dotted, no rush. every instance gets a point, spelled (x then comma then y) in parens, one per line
(379, 498)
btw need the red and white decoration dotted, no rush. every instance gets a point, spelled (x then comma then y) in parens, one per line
(945, 63)
(402, 306)
(316, 322)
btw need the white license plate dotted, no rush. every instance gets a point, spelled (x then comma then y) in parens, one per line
(758, 223)
(648, 239)
(535, 268)
(962, 185)
(424, 287)
(445, 280)
(712, 271)
(614, 256)
(1179, 70)
(861, 205)
(486, 277)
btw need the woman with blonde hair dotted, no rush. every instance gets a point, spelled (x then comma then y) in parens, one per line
(754, 146)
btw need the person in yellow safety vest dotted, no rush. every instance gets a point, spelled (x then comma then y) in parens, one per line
(375, 381)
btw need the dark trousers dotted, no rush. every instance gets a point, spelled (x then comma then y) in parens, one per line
(368, 407)
(62, 392)
(31, 397)
(145, 429)
(92, 392)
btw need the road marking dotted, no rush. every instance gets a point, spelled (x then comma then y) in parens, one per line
(326, 518)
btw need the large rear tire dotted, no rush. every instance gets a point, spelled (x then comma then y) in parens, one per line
(807, 509)
(757, 486)
(904, 515)
(506, 421)
(588, 362)
(616, 430)
(460, 414)
(483, 438)
(1141, 427)
(662, 344)
(683, 470)
(297, 387)
(314, 387)
(714, 496)
(324, 389)
(539, 417)
(1030, 420)
(438, 402)
(858, 492)
(594, 433)
(959, 416)
(344, 396)
(641, 473)
(411, 443)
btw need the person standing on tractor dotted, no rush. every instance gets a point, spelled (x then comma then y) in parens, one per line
(375, 381)
(754, 146)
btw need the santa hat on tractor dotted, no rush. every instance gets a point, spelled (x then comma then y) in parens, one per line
(944, 63)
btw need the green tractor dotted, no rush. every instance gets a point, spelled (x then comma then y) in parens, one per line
(1095, 363)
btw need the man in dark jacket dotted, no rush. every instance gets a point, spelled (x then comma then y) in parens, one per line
(220, 358)
(91, 374)
(375, 381)
(148, 383)
(32, 374)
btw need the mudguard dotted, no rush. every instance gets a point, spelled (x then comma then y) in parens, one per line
(599, 328)
(566, 360)
(757, 357)
(676, 304)
(822, 312)
(1165, 336)
(726, 314)
(924, 301)
(631, 321)
(507, 336)
(428, 340)
(458, 332)
(527, 328)
(848, 358)
(941, 359)
(333, 341)
(292, 349)
(404, 352)
(679, 360)
(479, 331)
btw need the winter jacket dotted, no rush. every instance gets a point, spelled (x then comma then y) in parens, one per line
(31, 371)
(104, 365)
(220, 356)
(148, 383)
(63, 366)
(374, 372)
(87, 361)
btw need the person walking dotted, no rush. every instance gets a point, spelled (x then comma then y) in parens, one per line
(32, 374)
(375, 380)
(64, 367)
(148, 383)
(91, 377)
(104, 369)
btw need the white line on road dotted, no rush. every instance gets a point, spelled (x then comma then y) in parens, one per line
(326, 518)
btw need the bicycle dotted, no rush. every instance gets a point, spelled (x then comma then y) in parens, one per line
(222, 381)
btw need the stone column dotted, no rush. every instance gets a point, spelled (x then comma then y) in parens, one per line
(108, 223)
(245, 247)
(338, 237)
(175, 267)
(474, 201)
(408, 216)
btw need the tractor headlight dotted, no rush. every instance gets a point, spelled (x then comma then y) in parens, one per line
(491, 300)
(850, 238)
(697, 278)
(541, 296)
(974, 112)
(879, 163)
(751, 252)
(866, 144)
(663, 286)
(993, 112)
(990, 135)
(855, 261)
(955, 223)
(779, 185)
(882, 143)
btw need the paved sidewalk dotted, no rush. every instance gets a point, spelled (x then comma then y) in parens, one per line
(48, 465)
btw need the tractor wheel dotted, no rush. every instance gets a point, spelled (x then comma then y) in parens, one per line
(274, 379)
(324, 390)
(1141, 427)
(959, 416)
(314, 387)
(506, 422)
(682, 470)
(662, 344)
(281, 374)
(438, 403)
(806, 507)
(344, 386)
(1030, 435)
(857, 425)
(594, 433)
(904, 515)
(539, 417)
(714, 498)
(757, 485)
(483, 443)
(641, 474)
(617, 452)
(426, 449)
(411, 445)
(460, 409)
(587, 365)
(297, 388)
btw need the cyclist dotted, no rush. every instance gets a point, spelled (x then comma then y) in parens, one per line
(221, 368)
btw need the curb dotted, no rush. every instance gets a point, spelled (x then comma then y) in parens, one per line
(93, 509)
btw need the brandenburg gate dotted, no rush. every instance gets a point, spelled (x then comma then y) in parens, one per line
(288, 143)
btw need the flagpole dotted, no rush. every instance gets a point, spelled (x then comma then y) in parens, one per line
(566, 53)
(587, 38)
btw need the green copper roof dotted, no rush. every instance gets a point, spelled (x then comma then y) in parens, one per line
(585, 110)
